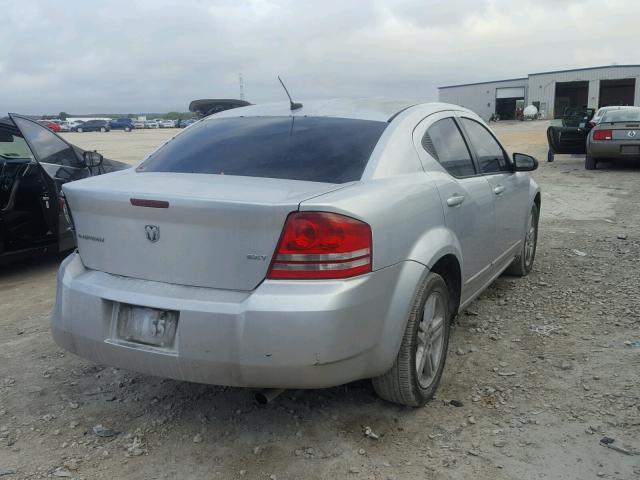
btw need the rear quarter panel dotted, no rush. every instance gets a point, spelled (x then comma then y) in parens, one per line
(405, 215)
(407, 223)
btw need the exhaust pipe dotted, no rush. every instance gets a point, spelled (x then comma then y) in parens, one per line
(266, 395)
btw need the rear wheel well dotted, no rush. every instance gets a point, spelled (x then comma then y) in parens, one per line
(448, 268)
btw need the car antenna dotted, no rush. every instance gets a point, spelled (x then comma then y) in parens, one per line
(294, 105)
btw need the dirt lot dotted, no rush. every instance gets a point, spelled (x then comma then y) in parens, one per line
(130, 147)
(539, 364)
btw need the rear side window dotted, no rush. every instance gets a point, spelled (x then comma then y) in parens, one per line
(445, 143)
(317, 149)
(46, 145)
(491, 156)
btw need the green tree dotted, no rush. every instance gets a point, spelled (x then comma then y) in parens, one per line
(63, 115)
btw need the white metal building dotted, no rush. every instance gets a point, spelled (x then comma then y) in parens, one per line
(551, 92)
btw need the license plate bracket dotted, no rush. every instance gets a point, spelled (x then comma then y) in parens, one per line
(630, 149)
(144, 325)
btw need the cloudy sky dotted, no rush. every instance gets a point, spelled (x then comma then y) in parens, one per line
(155, 55)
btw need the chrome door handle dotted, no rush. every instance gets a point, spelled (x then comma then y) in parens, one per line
(455, 200)
(498, 190)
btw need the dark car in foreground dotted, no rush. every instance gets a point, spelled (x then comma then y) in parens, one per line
(34, 164)
(93, 126)
(125, 124)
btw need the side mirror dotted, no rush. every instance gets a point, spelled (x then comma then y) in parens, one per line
(92, 159)
(524, 163)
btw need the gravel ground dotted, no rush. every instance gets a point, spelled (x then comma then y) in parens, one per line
(542, 367)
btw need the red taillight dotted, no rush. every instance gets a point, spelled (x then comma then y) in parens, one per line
(321, 245)
(141, 202)
(602, 135)
(64, 207)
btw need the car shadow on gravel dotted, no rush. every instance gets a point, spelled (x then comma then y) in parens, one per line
(619, 165)
(32, 266)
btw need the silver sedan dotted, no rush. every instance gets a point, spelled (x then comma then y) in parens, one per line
(277, 248)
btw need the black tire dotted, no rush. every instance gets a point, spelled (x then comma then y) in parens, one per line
(550, 156)
(401, 384)
(523, 263)
(590, 162)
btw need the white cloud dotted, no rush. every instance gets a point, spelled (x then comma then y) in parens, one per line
(157, 55)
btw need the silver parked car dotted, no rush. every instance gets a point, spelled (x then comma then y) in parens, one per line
(306, 248)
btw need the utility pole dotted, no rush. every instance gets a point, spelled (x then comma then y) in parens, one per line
(241, 82)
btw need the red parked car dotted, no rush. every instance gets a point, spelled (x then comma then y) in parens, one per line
(54, 127)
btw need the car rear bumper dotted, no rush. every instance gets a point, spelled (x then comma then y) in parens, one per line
(284, 334)
(612, 149)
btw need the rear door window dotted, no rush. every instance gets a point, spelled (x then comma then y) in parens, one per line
(444, 142)
(491, 157)
(317, 149)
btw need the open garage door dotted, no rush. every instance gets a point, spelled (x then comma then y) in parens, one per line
(507, 101)
(569, 96)
(617, 92)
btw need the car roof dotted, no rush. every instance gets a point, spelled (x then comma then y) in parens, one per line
(376, 109)
(623, 108)
(615, 107)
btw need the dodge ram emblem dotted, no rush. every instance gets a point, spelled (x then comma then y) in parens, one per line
(631, 134)
(153, 233)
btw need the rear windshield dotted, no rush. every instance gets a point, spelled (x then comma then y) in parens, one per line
(622, 116)
(316, 149)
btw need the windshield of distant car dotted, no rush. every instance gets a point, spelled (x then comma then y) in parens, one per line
(317, 149)
(13, 147)
(621, 116)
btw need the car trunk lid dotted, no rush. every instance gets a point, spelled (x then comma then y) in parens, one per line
(204, 230)
(625, 131)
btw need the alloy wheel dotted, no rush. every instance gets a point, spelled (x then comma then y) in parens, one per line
(430, 341)
(530, 241)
